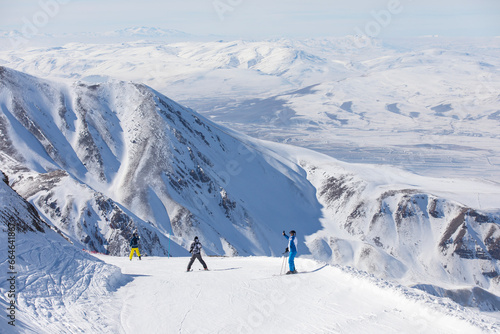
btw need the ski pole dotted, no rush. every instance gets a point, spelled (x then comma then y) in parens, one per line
(282, 265)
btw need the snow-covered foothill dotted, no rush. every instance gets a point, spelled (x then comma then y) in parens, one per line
(56, 286)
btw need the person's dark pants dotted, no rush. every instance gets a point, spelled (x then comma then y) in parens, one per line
(196, 256)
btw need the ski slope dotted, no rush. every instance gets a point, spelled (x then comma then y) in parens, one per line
(247, 295)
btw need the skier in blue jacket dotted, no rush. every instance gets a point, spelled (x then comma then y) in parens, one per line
(292, 248)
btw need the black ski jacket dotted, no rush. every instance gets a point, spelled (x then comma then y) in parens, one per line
(134, 242)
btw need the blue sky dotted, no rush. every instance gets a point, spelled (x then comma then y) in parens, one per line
(260, 18)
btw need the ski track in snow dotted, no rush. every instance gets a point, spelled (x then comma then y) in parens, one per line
(246, 295)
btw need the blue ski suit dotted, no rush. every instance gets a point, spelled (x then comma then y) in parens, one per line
(292, 247)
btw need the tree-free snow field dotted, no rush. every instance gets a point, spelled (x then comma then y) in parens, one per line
(247, 295)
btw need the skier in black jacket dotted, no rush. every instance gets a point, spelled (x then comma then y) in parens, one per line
(134, 246)
(195, 250)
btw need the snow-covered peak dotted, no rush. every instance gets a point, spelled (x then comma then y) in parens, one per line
(141, 31)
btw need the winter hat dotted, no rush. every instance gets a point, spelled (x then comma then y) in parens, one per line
(292, 232)
(195, 238)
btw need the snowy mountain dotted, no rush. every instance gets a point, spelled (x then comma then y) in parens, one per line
(99, 160)
(149, 32)
(404, 233)
(175, 172)
(33, 37)
(63, 289)
(431, 111)
(213, 69)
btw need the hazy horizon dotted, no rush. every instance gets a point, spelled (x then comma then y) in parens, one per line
(258, 18)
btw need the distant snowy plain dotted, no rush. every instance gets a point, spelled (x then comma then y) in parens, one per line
(429, 105)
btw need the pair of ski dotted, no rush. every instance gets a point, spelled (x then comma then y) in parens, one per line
(287, 273)
(190, 270)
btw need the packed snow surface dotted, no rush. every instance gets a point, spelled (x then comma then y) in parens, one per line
(247, 295)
